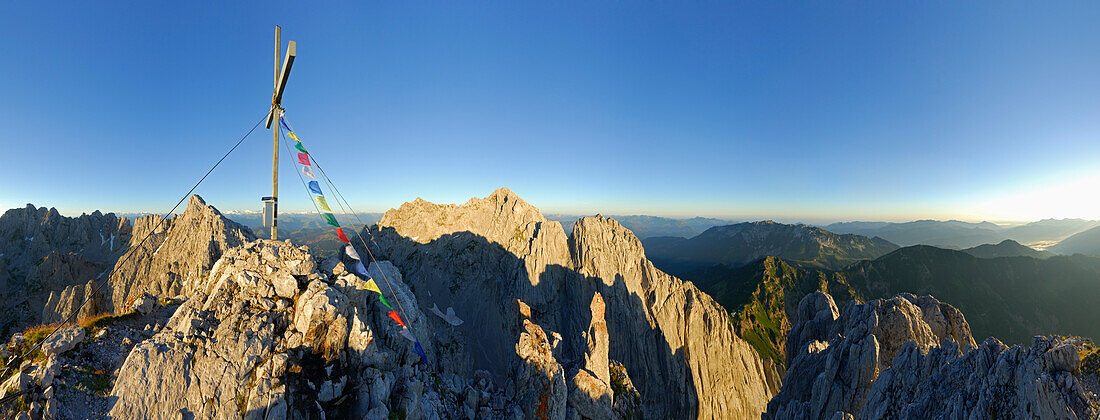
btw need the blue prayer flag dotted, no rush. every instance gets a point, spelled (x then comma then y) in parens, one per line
(314, 187)
(420, 352)
(283, 123)
(360, 270)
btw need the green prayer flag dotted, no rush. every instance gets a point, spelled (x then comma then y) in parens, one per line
(383, 298)
(300, 147)
(330, 219)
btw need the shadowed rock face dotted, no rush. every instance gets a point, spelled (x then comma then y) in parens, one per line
(47, 260)
(914, 357)
(483, 256)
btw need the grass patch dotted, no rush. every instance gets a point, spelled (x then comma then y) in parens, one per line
(36, 333)
(94, 381)
(241, 403)
(1090, 359)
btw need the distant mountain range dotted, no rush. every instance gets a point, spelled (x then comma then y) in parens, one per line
(651, 226)
(739, 244)
(308, 229)
(957, 234)
(1087, 242)
(1007, 248)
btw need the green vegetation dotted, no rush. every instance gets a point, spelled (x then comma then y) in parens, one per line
(93, 381)
(241, 404)
(1060, 292)
(1090, 359)
(761, 296)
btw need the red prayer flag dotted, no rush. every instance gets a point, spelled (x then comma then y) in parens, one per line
(340, 234)
(396, 318)
(303, 158)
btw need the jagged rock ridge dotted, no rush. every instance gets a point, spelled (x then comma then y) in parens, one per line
(914, 357)
(55, 263)
(483, 256)
(46, 258)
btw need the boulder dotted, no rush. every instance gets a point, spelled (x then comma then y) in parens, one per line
(63, 340)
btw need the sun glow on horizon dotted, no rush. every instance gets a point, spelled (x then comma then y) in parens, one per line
(1069, 196)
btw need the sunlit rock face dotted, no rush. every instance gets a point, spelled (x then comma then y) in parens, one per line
(480, 257)
(914, 357)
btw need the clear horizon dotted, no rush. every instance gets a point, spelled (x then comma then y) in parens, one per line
(548, 214)
(873, 112)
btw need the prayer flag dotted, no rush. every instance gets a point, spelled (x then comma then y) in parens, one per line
(291, 135)
(372, 286)
(407, 334)
(350, 250)
(393, 315)
(299, 146)
(283, 123)
(322, 203)
(340, 234)
(330, 219)
(383, 299)
(360, 270)
(420, 352)
(308, 172)
(314, 187)
(303, 158)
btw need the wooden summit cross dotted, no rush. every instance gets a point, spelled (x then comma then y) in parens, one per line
(271, 204)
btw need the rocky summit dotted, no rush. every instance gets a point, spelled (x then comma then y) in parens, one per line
(497, 259)
(913, 357)
(517, 320)
(515, 317)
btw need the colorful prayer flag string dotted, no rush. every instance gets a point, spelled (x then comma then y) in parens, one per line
(326, 213)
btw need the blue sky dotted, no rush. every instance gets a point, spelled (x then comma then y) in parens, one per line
(854, 110)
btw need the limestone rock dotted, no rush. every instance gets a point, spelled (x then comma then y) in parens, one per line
(178, 255)
(63, 340)
(144, 304)
(482, 256)
(540, 379)
(590, 396)
(914, 357)
(991, 381)
(239, 347)
(61, 269)
(48, 261)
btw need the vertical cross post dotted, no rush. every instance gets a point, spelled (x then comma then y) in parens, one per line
(275, 143)
(281, 74)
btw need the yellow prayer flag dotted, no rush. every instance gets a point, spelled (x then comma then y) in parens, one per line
(372, 286)
(322, 203)
(291, 135)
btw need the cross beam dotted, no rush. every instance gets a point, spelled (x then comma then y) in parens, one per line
(271, 204)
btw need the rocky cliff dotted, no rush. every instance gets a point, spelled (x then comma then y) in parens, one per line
(54, 263)
(497, 259)
(914, 357)
(44, 255)
(179, 252)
